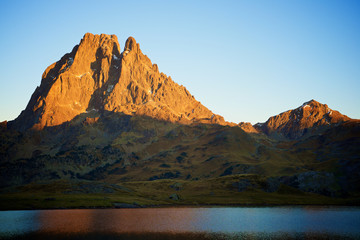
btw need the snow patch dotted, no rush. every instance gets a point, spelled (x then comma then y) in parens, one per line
(110, 88)
(305, 105)
(70, 61)
(116, 67)
(115, 57)
(92, 110)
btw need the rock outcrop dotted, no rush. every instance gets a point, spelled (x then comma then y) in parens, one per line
(248, 127)
(96, 77)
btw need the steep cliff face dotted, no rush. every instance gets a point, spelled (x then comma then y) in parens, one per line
(307, 119)
(97, 77)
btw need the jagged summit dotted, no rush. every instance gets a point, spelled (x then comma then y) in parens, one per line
(95, 77)
(306, 119)
(131, 44)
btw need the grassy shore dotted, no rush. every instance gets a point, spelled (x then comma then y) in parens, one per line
(160, 193)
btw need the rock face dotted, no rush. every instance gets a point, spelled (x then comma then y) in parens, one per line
(248, 127)
(308, 119)
(96, 77)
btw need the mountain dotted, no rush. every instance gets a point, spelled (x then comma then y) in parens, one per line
(107, 123)
(96, 76)
(310, 118)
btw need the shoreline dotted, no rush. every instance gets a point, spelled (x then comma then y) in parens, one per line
(193, 206)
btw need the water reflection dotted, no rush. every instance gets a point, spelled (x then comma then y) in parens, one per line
(184, 220)
(116, 220)
(18, 221)
(332, 220)
(66, 221)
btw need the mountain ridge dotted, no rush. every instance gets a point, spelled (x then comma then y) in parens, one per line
(96, 76)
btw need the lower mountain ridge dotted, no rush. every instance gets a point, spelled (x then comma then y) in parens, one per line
(124, 134)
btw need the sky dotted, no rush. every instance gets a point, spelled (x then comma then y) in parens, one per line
(244, 60)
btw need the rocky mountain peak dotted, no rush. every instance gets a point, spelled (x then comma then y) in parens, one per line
(131, 44)
(96, 77)
(304, 120)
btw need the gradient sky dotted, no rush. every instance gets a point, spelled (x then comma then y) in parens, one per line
(244, 60)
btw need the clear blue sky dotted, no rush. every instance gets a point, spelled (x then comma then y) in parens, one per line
(244, 60)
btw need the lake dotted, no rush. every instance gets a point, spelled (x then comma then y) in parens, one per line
(183, 223)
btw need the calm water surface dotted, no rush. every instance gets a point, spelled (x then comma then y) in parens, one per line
(219, 223)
